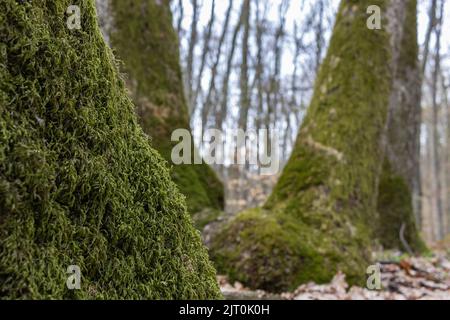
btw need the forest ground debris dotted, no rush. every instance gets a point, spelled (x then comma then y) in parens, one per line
(411, 278)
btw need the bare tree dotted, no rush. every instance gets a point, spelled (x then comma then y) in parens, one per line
(191, 51)
(435, 138)
(221, 113)
(214, 69)
(243, 81)
(274, 83)
(180, 17)
(445, 88)
(430, 28)
(319, 33)
(259, 69)
(205, 52)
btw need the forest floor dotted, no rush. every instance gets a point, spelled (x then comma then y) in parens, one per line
(403, 278)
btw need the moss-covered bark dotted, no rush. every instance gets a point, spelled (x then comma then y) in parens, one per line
(141, 33)
(396, 213)
(323, 211)
(400, 180)
(79, 182)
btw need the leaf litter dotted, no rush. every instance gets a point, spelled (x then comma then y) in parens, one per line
(404, 278)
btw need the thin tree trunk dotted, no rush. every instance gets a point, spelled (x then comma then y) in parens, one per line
(180, 17)
(446, 107)
(278, 51)
(430, 28)
(208, 101)
(243, 80)
(436, 169)
(191, 53)
(319, 35)
(205, 52)
(259, 66)
(221, 114)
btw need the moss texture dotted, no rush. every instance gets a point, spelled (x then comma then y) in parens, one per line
(271, 250)
(398, 180)
(327, 191)
(79, 182)
(395, 208)
(144, 39)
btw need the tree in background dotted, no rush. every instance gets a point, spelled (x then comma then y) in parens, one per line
(79, 182)
(237, 56)
(435, 161)
(399, 191)
(141, 33)
(322, 214)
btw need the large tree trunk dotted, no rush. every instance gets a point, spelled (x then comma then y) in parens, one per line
(322, 214)
(143, 37)
(399, 192)
(79, 181)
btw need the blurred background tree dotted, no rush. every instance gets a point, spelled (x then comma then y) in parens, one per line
(270, 86)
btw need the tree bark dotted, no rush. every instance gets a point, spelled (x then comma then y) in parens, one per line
(321, 216)
(191, 51)
(223, 107)
(208, 101)
(243, 80)
(399, 192)
(149, 49)
(436, 145)
(205, 52)
(431, 25)
(79, 182)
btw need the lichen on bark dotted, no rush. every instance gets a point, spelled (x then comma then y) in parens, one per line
(142, 35)
(79, 182)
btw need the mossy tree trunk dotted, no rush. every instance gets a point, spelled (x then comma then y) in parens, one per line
(142, 35)
(322, 214)
(79, 182)
(399, 191)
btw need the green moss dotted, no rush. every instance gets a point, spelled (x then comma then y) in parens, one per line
(144, 39)
(205, 216)
(274, 251)
(395, 203)
(395, 208)
(79, 182)
(328, 188)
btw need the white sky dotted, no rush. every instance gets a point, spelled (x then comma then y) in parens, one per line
(296, 13)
